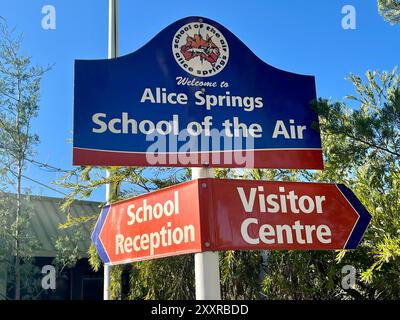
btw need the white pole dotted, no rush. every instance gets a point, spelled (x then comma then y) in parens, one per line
(206, 264)
(106, 282)
(106, 267)
(112, 53)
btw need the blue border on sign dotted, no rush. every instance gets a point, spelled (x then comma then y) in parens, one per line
(96, 234)
(362, 222)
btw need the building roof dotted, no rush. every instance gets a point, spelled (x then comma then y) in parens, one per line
(47, 218)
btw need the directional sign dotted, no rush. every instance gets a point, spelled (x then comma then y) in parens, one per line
(157, 224)
(246, 215)
(194, 95)
(215, 214)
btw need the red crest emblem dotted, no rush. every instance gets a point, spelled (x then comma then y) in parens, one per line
(197, 46)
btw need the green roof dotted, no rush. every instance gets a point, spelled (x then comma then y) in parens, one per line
(47, 217)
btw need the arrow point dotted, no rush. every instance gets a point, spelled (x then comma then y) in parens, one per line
(363, 221)
(96, 234)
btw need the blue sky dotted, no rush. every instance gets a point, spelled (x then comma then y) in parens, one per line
(301, 36)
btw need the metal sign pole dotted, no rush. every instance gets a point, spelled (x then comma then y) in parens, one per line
(107, 268)
(206, 264)
(112, 53)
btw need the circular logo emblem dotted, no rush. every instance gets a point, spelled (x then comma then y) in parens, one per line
(200, 49)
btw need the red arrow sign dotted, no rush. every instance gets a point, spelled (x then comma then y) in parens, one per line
(158, 224)
(216, 214)
(281, 215)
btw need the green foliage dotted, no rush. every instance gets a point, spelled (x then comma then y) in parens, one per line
(125, 181)
(298, 275)
(94, 259)
(19, 105)
(19, 102)
(390, 10)
(29, 274)
(386, 251)
(166, 278)
(67, 250)
(362, 149)
(240, 272)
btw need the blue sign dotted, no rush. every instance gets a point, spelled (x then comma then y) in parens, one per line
(195, 95)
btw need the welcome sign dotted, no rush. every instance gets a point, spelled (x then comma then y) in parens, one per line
(195, 95)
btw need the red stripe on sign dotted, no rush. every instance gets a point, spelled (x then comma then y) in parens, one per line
(276, 158)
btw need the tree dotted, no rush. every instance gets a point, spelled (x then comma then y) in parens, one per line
(390, 10)
(362, 150)
(19, 105)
